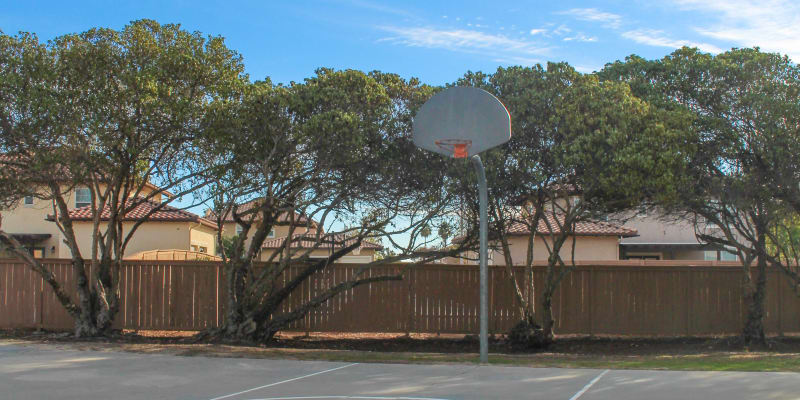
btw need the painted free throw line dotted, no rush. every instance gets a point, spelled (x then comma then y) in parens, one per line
(286, 381)
(588, 385)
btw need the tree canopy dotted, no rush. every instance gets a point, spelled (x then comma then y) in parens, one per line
(118, 113)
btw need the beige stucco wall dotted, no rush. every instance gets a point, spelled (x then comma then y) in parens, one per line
(149, 236)
(31, 219)
(202, 235)
(587, 248)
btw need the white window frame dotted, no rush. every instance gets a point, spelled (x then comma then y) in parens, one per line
(78, 203)
(27, 201)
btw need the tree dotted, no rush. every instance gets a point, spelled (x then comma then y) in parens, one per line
(741, 152)
(331, 160)
(117, 112)
(580, 149)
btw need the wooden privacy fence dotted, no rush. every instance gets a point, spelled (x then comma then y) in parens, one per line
(668, 298)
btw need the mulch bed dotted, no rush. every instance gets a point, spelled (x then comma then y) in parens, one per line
(394, 342)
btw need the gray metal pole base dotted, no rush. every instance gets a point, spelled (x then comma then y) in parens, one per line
(484, 255)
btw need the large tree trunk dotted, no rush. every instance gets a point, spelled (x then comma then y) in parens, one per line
(547, 314)
(755, 294)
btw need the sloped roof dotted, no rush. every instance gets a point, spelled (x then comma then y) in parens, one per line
(283, 219)
(582, 228)
(167, 213)
(305, 241)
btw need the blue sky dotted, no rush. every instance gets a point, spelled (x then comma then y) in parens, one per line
(436, 41)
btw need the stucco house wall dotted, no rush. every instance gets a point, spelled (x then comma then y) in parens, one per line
(587, 248)
(149, 236)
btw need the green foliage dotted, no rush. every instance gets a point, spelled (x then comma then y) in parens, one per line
(113, 111)
(740, 166)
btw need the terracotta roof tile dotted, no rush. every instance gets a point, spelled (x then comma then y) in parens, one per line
(582, 228)
(166, 214)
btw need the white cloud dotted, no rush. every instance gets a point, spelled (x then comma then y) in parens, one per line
(580, 37)
(773, 25)
(594, 15)
(658, 38)
(465, 41)
(538, 31)
(562, 29)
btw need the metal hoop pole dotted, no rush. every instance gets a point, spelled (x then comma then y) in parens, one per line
(484, 255)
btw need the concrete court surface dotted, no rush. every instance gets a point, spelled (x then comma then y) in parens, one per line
(50, 372)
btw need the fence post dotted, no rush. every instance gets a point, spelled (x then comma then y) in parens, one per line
(780, 278)
(410, 302)
(686, 301)
(41, 303)
(590, 296)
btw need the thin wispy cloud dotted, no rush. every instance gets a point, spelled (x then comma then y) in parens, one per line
(773, 25)
(580, 37)
(465, 41)
(561, 30)
(652, 37)
(608, 19)
(538, 31)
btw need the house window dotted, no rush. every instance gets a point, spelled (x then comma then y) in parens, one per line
(193, 247)
(722, 255)
(83, 197)
(728, 256)
(36, 252)
(28, 200)
(203, 249)
(239, 230)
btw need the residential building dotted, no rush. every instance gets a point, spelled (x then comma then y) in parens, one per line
(667, 238)
(593, 241)
(165, 228)
(28, 222)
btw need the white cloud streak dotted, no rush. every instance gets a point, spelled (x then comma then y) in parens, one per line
(609, 20)
(464, 41)
(580, 37)
(773, 25)
(658, 38)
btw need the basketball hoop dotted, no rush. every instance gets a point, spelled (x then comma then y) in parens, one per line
(459, 122)
(459, 147)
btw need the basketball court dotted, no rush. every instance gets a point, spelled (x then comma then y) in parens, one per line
(46, 371)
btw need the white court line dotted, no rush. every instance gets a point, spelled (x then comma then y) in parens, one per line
(278, 383)
(588, 385)
(349, 397)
